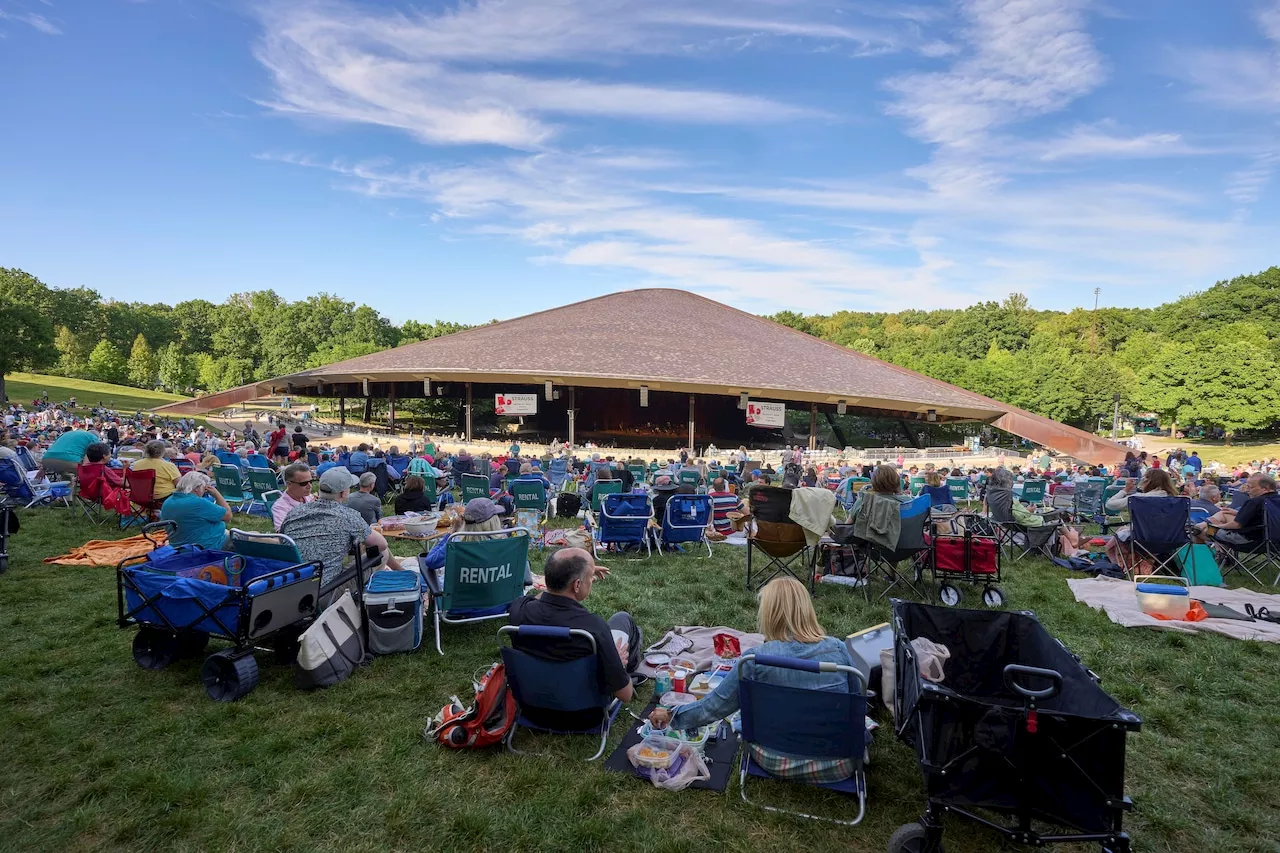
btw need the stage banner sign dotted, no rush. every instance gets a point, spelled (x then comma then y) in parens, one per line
(766, 414)
(513, 405)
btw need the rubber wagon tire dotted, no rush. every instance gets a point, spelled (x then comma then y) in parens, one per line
(909, 838)
(153, 648)
(227, 677)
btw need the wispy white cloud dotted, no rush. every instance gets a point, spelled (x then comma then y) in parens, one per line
(31, 19)
(1246, 186)
(1026, 58)
(997, 204)
(1240, 78)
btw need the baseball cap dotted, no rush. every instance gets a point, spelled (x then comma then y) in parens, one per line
(480, 509)
(337, 480)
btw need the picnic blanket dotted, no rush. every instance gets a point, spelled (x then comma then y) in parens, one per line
(696, 643)
(109, 552)
(1116, 598)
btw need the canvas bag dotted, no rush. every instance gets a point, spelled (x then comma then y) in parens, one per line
(1199, 566)
(332, 647)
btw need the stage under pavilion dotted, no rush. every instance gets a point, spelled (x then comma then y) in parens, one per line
(659, 365)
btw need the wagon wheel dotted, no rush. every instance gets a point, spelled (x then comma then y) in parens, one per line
(4, 564)
(911, 838)
(153, 648)
(948, 594)
(227, 677)
(191, 644)
(993, 596)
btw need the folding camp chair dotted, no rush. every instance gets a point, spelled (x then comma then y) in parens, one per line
(278, 546)
(912, 545)
(623, 520)
(22, 491)
(230, 486)
(142, 497)
(8, 526)
(558, 472)
(601, 489)
(779, 539)
(1087, 503)
(1255, 556)
(685, 519)
(552, 688)
(483, 574)
(1033, 492)
(87, 489)
(637, 472)
(1158, 529)
(529, 498)
(917, 485)
(959, 488)
(833, 724)
(938, 495)
(399, 462)
(261, 481)
(257, 460)
(184, 465)
(474, 486)
(313, 459)
(689, 477)
(225, 457)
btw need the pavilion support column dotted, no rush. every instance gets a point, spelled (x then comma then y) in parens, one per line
(342, 410)
(391, 407)
(468, 412)
(691, 424)
(572, 414)
(368, 409)
(813, 426)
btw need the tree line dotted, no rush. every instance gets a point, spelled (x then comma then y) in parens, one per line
(195, 345)
(1208, 359)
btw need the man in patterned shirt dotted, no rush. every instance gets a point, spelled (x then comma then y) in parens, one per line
(325, 528)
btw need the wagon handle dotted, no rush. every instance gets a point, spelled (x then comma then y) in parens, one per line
(169, 527)
(1011, 682)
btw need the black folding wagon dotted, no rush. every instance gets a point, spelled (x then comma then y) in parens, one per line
(1018, 735)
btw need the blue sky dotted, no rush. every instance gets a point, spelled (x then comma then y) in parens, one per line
(485, 159)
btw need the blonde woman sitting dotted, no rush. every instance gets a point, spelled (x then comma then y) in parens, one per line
(790, 627)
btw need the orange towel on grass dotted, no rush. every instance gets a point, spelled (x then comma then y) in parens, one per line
(109, 552)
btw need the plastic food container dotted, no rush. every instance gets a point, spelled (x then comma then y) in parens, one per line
(696, 738)
(1169, 597)
(865, 648)
(657, 752)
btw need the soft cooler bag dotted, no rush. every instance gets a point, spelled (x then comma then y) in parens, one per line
(393, 609)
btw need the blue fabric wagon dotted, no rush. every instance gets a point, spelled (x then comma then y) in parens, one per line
(181, 597)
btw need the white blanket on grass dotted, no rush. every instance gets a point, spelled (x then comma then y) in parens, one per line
(1116, 598)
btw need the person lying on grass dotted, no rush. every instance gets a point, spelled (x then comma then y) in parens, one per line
(791, 629)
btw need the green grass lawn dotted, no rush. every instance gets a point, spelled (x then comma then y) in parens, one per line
(97, 754)
(25, 387)
(1234, 454)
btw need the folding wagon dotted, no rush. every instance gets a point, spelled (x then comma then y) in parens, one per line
(181, 597)
(1018, 735)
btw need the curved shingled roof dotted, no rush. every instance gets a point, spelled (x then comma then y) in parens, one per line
(669, 340)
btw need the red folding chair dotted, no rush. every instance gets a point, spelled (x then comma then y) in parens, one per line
(142, 491)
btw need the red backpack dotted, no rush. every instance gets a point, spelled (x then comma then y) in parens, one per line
(485, 723)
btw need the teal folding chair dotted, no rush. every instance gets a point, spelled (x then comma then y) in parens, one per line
(917, 485)
(1033, 492)
(483, 574)
(689, 477)
(227, 479)
(474, 486)
(530, 501)
(602, 488)
(959, 487)
(261, 481)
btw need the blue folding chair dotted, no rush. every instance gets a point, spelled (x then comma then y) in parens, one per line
(552, 688)
(685, 519)
(1157, 531)
(226, 457)
(20, 490)
(1238, 498)
(817, 723)
(939, 495)
(257, 460)
(623, 520)
(558, 472)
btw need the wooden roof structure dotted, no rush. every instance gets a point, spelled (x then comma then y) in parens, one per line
(669, 340)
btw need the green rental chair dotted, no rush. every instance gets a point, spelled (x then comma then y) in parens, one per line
(227, 479)
(483, 574)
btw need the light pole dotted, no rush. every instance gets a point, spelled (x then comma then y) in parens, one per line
(1115, 419)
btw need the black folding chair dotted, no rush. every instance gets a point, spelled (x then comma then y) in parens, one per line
(911, 545)
(1255, 556)
(1158, 529)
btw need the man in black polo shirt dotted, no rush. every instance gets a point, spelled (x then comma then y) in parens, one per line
(1247, 525)
(569, 573)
